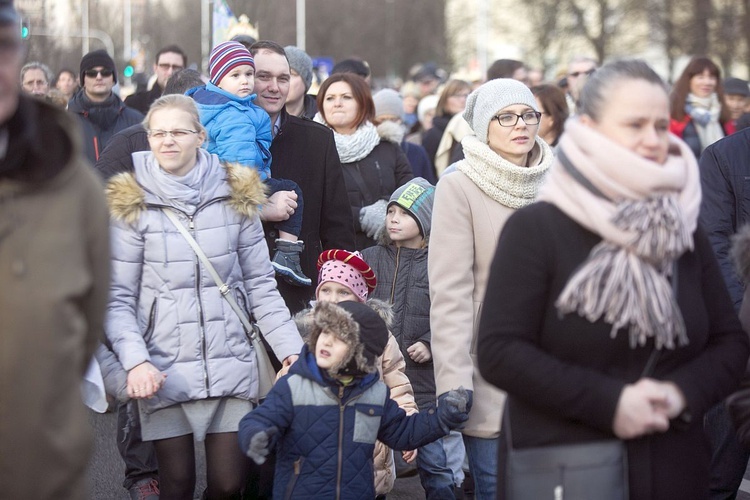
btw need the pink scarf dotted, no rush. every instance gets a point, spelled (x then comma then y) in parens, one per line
(646, 214)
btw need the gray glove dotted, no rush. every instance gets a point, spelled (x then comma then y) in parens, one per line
(452, 409)
(260, 445)
(372, 218)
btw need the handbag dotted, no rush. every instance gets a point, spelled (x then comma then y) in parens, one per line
(581, 471)
(266, 372)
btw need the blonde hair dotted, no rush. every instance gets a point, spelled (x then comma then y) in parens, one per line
(177, 101)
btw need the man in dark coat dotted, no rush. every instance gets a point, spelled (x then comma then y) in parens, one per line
(725, 208)
(100, 111)
(305, 152)
(54, 255)
(168, 61)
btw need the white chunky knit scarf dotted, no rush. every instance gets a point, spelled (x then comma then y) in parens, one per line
(356, 146)
(501, 180)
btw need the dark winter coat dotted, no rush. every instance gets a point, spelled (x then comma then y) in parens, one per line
(100, 121)
(564, 375)
(739, 402)
(421, 166)
(54, 270)
(305, 152)
(431, 138)
(143, 100)
(374, 177)
(403, 282)
(725, 202)
(327, 432)
(116, 157)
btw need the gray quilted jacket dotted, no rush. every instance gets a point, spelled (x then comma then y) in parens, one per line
(165, 308)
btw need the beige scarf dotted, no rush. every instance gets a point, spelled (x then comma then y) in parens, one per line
(501, 180)
(646, 214)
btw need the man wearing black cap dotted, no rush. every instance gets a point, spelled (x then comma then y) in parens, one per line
(54, 255)
(100, 111)
(736, 100)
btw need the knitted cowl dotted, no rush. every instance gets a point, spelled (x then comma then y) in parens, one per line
(646, 214)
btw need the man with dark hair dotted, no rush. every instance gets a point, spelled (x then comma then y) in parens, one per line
(54, 250)
(305, 152)
(100, 111)
(353, 65)
(168, 61)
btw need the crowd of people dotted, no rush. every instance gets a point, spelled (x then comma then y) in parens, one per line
(428, 266)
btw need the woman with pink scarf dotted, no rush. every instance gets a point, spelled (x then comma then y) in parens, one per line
(607, 273)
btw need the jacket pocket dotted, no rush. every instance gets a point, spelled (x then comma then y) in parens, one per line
(151, 325)
(367, 422)
(297, 470)
(236, 338)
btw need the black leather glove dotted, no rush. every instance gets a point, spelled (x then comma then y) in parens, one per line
(452, 409)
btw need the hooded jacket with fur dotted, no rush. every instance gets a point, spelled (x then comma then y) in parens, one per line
(164, 306)
(327, 431)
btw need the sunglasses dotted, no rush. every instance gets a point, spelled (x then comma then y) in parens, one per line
(92, 73)
(576, 74)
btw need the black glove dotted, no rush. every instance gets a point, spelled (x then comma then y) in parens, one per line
(260, 445)
(452, 409)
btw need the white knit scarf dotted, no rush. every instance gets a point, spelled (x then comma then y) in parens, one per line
(705, 112)
(355, 146)
(501, 180)
(646, 214)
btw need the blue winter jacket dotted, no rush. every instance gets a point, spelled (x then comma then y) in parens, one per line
(327, 432)
(239, 131)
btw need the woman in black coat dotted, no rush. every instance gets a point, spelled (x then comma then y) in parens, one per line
(373, 168)
(581, 293)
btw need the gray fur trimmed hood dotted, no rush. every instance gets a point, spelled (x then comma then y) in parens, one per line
(127, 199)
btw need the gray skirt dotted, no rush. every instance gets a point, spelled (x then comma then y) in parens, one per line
(201, 417)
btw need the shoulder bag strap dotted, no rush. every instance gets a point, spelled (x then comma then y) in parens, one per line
(223, 288)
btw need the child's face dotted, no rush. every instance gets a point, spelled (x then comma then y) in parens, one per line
(334, 292)
(240, 81)
(330, 351)
(402, 228)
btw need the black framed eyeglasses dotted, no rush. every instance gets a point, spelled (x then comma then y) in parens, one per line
(177, 134)
(510, 119)
(92, 73)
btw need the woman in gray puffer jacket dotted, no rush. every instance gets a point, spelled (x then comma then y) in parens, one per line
(189, 362)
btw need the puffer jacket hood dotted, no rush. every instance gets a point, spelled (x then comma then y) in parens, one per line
(127, 199)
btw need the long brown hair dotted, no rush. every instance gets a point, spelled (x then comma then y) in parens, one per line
(555, 105)
(681, 88)
(360, 91)
(451, 88)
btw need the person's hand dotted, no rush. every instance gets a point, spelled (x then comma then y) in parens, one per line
(419, 352)
(641, 410)
(372, 218)
(260, 445)
(279, 206)
(289, 360)
(452, 409)
(675, 402)
(409, 456)
(144, 380)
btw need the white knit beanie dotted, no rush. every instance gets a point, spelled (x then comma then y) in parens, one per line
(388, 102)
(491, 97)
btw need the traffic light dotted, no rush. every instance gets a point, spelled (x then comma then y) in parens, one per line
(129, 70)
(25, 33)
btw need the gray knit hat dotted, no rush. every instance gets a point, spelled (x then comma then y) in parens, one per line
(416, 197)
(388, 102)
(491, 97)
(300, 62)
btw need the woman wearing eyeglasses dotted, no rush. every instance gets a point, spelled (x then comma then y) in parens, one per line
(505, 163)
(606, 315)
(190, 365)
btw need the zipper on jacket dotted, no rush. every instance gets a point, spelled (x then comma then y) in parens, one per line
(380, 176)
(395, 274)
(293, 482)
(201, 323)
(342, 407)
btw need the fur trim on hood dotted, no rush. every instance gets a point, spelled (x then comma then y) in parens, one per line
(127, 199)
(304, 319)
(391, 132)
(741, 252)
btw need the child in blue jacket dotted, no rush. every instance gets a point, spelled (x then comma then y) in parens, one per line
(239, 131)
(324, 417)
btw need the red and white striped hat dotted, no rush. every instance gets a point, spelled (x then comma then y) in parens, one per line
(225, 57)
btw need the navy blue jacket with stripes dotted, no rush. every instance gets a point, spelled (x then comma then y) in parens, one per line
(327, 432)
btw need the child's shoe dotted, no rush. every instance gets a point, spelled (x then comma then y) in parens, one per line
(286, 262)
